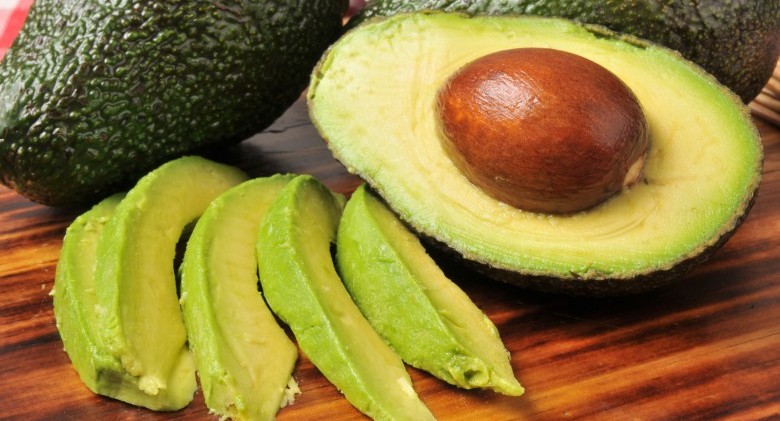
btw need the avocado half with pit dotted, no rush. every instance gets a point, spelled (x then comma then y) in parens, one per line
(376, 98)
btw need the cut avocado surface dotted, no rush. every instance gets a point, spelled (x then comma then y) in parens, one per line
(245, 360)
(702, 169)
(303, 288)
(698, 29)
(425, 317)
(139, 318)
(75, 312)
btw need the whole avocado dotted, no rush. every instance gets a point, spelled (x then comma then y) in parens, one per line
(94, 94)
(738, 41)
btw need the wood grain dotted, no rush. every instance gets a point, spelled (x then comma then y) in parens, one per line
(707, 347)
(767, 104)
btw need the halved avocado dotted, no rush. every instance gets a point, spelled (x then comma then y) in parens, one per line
(302, 287)
(373, 99)
(430, 322)
(245, 360)
(139, 318)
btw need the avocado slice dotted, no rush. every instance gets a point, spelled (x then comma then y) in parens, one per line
(245, 360)
(430, 322)
(139, 318)
(95, 94)
(697, 29)
(703, 164)
(302, 287)
(74, 310)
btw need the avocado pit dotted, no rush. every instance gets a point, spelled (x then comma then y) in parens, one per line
(543, 130)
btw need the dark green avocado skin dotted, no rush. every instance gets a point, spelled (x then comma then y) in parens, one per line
(738, 41)
(93, 94)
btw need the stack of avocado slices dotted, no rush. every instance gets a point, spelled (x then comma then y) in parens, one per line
(115, 295)
(131, 336)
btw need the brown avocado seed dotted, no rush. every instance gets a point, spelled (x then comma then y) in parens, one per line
(543, 130)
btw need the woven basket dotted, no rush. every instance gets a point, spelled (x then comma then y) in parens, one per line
(767, 103)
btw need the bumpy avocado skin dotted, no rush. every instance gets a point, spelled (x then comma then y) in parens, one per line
(94, 94)
(738, 41)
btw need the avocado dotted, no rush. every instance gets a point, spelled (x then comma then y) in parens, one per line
(302, 287)
(76, 318)
(700, 30)
(95, 94)
(430, 322)
(703, 164)
(139, 318)
(245, 360)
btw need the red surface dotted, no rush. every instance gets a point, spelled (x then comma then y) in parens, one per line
(11, 20)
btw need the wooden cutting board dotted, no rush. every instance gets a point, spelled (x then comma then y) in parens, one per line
(707, 347)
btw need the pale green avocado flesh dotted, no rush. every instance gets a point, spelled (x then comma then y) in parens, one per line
(74, 310)
(244, 358)
(302, 287)
(430, 322)
(372, 98)
(139, 318)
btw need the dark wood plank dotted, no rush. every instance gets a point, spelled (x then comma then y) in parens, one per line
(707, 347)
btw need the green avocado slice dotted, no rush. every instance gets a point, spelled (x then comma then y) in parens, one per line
(302, 287)
(138, 309)
(74, 310)
(425, 317)
(703, 165)
(245, 360)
